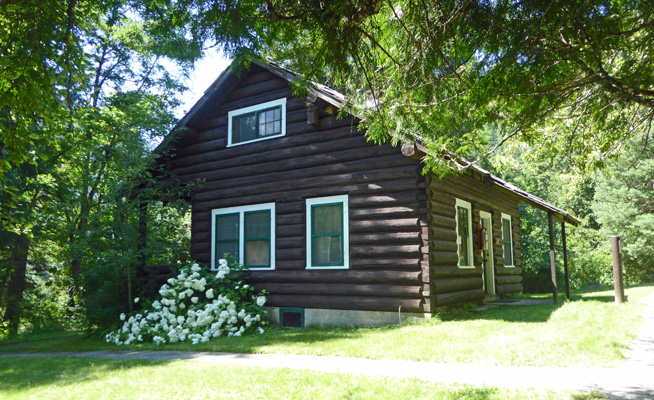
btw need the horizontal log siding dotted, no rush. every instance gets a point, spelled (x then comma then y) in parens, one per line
(449, 283)
(386, 240)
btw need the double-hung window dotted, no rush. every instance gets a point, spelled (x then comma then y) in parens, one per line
(246, 233)
(507, 240)
(464, 233)
(258, 122)
(328, 232)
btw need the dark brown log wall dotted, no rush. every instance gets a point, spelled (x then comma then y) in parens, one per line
(387, 201)
(449, 283)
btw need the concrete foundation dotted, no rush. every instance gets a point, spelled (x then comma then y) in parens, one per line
(346, 318)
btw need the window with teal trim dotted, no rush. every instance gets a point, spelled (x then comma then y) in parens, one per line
(246, 233)
(464, 233)
(327, 232)
(227, 236)
(257, 239)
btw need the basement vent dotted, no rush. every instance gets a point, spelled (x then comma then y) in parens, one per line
(291, 318)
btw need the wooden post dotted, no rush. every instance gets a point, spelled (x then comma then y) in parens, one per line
(555, 289)
(618, 282)
(565, 262)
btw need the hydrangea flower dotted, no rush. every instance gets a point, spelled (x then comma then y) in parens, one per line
(195, 306)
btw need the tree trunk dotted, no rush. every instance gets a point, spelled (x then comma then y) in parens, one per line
(76, 263)
(16, 286)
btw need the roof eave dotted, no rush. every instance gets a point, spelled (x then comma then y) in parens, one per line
(418, 151)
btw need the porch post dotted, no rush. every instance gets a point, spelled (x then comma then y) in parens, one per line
(552, 259)
(565, 262)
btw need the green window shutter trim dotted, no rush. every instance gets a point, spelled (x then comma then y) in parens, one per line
(338, 234)
(218, 225)
(251, 238)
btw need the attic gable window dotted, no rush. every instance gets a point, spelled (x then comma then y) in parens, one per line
(258, 122)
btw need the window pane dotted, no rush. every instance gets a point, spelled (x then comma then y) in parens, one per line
(257, 253)
(270, 122)
(463, 221)
(463, 253)
(223, 248)
(463, 230)
(244, 127)
(257, 225)
(506, 230)
(227, 227)
(327, 219)
(508, 256)
(326, 250)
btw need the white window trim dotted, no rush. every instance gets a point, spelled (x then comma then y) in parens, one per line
(257, 107)
(241, 234)
(343, 199)
(507, 216)
(468, 206)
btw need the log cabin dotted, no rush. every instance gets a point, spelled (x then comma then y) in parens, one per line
(338, 230)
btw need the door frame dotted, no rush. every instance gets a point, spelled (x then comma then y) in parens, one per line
(488, 266)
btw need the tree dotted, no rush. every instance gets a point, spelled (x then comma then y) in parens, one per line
(624, 205)
(83, 93)
(574, 77)
(560, 184)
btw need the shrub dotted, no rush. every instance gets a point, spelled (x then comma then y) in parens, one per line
(196, 306)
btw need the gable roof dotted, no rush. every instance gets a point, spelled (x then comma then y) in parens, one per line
(228, 77)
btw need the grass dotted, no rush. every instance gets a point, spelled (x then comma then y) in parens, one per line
(87, 378)
(591, 331)
(597, 292)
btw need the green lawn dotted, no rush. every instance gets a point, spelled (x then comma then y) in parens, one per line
(590, 331)
(87, 378)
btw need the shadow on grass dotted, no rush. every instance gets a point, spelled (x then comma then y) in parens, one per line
(332, 341)
(54, 341)
(19, 373)
(537, 313)
(600, 298)
(275, 339)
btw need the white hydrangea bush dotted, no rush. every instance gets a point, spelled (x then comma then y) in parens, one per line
(196, 306)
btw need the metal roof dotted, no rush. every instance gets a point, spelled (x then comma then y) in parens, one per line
(511, 189)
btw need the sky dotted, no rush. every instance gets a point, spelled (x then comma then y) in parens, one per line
(206, 71)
